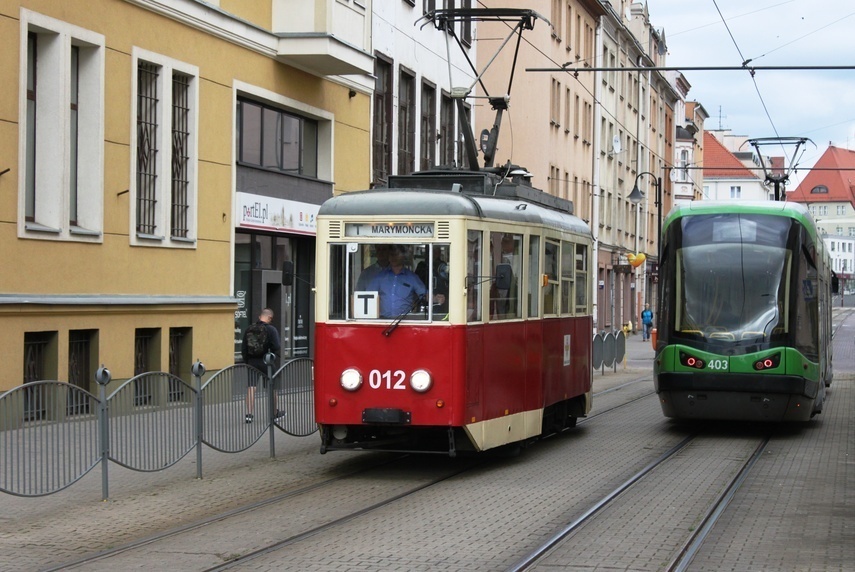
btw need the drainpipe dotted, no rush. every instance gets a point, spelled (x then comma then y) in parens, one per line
(594, 263)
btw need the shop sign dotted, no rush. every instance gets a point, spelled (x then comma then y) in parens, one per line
(271, 213)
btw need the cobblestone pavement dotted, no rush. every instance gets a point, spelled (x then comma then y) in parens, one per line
(36, 533)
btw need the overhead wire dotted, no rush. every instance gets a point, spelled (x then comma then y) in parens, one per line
(588, 91)
(745, 62)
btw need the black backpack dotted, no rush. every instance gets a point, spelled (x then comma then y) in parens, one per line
(257, 340)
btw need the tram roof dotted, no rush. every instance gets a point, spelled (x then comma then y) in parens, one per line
(780, 208)
(438, 203)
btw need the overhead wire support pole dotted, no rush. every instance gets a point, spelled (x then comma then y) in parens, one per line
(443, 20)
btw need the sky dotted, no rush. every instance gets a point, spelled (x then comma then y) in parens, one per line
(817, 104)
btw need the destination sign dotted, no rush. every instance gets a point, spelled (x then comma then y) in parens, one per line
(389, 229)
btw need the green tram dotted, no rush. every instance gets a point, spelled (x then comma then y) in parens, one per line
(744, 314)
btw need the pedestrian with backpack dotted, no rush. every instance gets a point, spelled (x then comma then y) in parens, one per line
(258, 339)
(646, 322)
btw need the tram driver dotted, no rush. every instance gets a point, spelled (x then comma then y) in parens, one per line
(399, 288)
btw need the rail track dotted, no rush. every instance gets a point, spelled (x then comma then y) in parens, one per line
(683, 555)
(137, 550)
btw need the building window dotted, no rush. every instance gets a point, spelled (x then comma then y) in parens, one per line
(40, 353)
(555, 103)
(81, 344)
(61, 195)
(179, 363)
(735, 192)
(568, 106)
(406, 122)
(146, 359)
(820, 190)
(841, 210)
(382, 128)
(466, 25)
(427, 147)
(446, 130)
(276, 140)
(165, 143)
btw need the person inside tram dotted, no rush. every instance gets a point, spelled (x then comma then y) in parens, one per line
(440, 277)
(381, 251)
(399, 288)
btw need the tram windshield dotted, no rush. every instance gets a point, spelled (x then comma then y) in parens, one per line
(387, 281)
(728, 278)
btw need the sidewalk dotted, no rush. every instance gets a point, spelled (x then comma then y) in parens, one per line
(637, 363)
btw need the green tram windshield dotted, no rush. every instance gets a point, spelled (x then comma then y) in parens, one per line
(737, 283)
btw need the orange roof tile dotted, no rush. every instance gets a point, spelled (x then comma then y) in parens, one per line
(835, 170)
(719, 163)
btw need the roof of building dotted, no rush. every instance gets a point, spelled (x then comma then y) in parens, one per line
(830, 179)
(719, 163)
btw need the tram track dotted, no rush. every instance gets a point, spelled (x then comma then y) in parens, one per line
(104, 559)
(220, 517)
(545, 553)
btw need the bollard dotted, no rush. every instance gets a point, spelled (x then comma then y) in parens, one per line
(198, 370)
(653, 335)
(103, 377)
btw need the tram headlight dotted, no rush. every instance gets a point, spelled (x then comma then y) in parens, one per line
(691, 361)
(351, 380)
(420, 381)
(768, 362)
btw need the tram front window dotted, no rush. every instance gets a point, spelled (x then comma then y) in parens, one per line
(732, 290)
(388, 281)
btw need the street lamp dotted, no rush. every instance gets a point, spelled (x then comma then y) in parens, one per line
(635, 197)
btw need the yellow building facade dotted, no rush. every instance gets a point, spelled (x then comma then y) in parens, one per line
(140, 144)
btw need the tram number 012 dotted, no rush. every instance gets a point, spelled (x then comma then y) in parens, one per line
(387, 379)
(718, 365)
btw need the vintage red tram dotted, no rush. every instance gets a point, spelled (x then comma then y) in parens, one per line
(493, 349)
(453, 308)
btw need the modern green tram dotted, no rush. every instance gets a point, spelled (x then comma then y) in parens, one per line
(744, 313)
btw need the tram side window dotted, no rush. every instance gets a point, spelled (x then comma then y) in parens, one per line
(473, 276)
(533, 276)
(581, 279)
(807, 315)
(567, 269)
(433, 270)
(505, 253)
(337, 288)
(550, 271)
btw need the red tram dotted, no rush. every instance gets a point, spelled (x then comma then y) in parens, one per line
(453, 308)
(493, 349)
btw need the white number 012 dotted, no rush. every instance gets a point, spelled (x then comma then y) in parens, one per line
(388, 379)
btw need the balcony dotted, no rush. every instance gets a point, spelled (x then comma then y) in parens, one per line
(324, 37)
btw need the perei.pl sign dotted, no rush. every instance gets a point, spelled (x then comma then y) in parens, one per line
(270, 213)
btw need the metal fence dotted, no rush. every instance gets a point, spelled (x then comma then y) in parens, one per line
(53, 433)
(609, 349)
